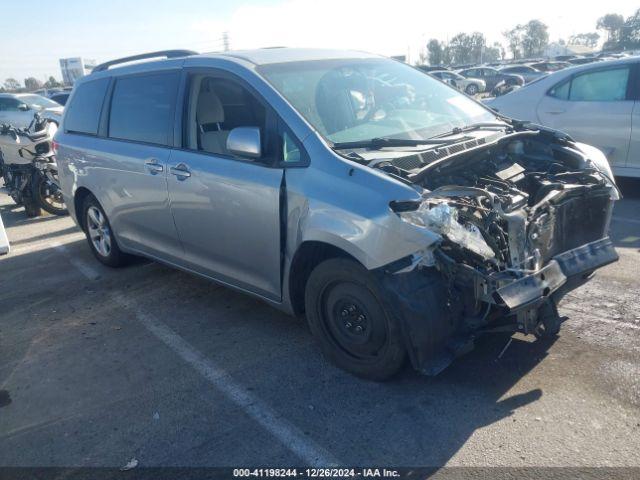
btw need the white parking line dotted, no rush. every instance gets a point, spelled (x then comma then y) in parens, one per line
(83, 267)
(289, 435)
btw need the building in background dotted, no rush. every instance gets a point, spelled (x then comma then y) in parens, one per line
(555, 49)
(74, 68)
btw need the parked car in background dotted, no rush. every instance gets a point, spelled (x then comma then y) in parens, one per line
(431, 68)
(527, 72)
(17, 109)
(564, 58)
(584, 60)
(491, 76)
(550, 66)
(401, 217)
(60, 97)
(596, 103)
(470, 86)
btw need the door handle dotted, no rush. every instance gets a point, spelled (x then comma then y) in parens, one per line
(556, 112)
(153, 166)
(181, 171)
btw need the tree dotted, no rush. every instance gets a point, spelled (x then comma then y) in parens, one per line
(611, 23)
(12, 84)
(586, 39)
(514, 40)
(465, 48)
(630, 32)
(536, 38)
(527, 40)
(494, 53)
(434, 52)
(31, 84)
(52, 83)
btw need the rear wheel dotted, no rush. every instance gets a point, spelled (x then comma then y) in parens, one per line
(47, 195)
(350, 322)
(31, 207)
(100, 235)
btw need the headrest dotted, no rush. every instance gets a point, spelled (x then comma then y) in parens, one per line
(209, 109)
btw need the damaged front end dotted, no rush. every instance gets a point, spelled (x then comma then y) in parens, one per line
(522, 221)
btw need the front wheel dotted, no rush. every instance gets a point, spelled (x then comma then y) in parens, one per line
(47, 195)
(350, 322)
(472, 89)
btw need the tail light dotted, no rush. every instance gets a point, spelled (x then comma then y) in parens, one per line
(54, 147)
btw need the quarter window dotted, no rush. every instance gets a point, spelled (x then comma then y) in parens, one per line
(561, 91)
(291, 152)
(142, 108)
(83, 113)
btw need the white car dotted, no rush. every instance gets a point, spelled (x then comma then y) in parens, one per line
(17, 109)
(597, 103)
(470, 86)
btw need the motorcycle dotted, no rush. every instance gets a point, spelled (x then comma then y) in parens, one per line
(28, 166)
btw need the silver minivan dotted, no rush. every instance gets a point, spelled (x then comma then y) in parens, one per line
(401, 217)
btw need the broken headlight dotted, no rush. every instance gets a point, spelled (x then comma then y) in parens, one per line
(443, 219)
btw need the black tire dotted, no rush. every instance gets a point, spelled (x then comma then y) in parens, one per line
(550, 321)
(31, 207)
(350, 322)
(472, 89)
(49, 201)
(113, 256)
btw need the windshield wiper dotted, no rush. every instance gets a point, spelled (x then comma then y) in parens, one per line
(471, 127)
(381, 142)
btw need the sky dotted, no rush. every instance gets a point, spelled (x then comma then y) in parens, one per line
(108, 29)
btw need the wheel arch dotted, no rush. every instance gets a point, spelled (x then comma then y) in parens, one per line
(79, 198)
(307, 257)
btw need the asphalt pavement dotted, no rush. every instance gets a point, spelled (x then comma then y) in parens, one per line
(99, 367)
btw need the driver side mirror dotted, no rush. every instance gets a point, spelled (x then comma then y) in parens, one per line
(23, 107)
(245, 142)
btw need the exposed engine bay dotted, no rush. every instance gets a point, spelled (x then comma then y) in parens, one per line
(514, 205)
(523, 220)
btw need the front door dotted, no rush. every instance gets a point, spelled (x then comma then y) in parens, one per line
(226, 208)
(12, 111)
(595, 108)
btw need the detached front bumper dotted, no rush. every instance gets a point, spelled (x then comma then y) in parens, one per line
(562, 274)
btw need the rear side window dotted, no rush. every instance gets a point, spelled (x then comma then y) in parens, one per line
(142, 108)
(599, 86)
(83, 113)
(603, 86)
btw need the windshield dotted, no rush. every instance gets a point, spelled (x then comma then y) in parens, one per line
(356, 100)
(38, 101)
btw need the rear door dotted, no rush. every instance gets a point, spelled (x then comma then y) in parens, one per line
(593, 107)
(227, 208)
(135, 156)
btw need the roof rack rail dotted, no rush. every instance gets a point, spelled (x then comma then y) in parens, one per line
(143, 56)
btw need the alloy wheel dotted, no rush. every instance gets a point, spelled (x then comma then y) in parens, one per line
(99, 231)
